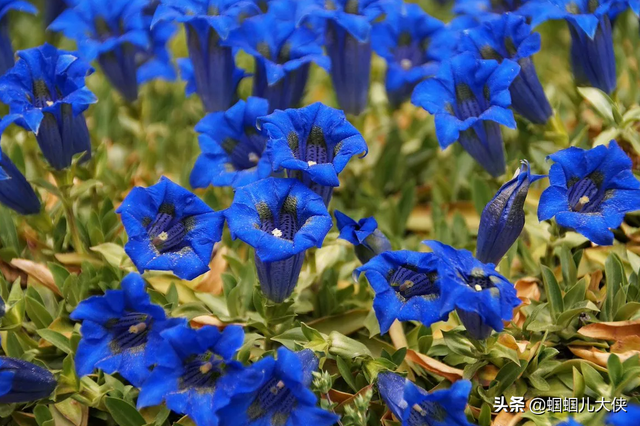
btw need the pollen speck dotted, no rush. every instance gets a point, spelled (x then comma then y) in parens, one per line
(277, 233)
(206, 367)
(311, 163)
(478, 287)
(253, 157)
(406, 64)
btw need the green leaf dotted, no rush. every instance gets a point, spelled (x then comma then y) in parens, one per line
(344, 346)
(552, 289)
(616, 279)
(569, 270)
(38, 313)
(56, 339)
(593, 380)
(614, 366)
(114, 254)
(345, 373)
(600, 101)
(123, 413)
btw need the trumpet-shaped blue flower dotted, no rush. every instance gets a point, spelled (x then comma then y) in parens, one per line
(280, 219)
(282, 57)
(46, 94)
(313, 144)
(626, 417)
(470, 99)
(411, 42)
(210, 71)
(592, 55)
(194, 371)
(509, 36)
(121, 331)
(368, 240)
(6, 49)
(276, 392)
(53, 9)
(22, 381)
(117, 34)
(484, 298)
(348, 43)
(170, 229)
(590, 191)
(15, 191)
(414, 406)
(232, 146)
(409, 286)
(502, 219)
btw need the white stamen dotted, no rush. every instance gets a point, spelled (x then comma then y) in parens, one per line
(406, 64)
(278, 387)
(311, 163)
(138, 328)
(406, 285)
(581, 203)
(478, 287)
(163, 236)
(277, 233)
(253, 157)
(205, 368)
(419, 409)
(49, 103)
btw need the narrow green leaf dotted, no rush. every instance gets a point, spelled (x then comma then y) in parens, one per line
(552, 289)
(123, 413)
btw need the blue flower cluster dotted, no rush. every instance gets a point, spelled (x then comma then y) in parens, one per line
(118, 35)
(192, 371)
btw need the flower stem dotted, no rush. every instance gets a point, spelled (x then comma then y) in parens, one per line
(64, 181)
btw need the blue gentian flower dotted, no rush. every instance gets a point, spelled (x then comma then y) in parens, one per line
(46, 94)
(509, 36)
(348, 43)
(626, 417)
(278, 395)
(193, 370)
(170, 229)
(280, 219)
(313, 144)
(414, 406)
(470, 99)
(502, 219)
(368, 240)
(22, 381)
(592, 55)
(53, 9)
(210, 70)
(484, 9)
(121, 331)
(590, 191)
(117, 34)
(411, 42)
(409, 286)
(6, 48)
(15, 191)
(484, 298)
(232, 146)
(282, 57)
